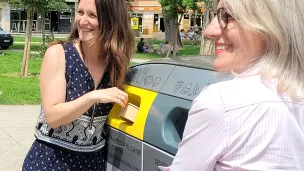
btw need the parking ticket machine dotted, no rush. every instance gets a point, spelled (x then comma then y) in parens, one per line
(163, 93)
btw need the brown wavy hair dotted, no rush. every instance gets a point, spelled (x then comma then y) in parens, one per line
(115, 37)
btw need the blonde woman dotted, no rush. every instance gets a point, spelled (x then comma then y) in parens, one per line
(255, 121)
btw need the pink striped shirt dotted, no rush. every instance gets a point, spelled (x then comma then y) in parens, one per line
(242, 125)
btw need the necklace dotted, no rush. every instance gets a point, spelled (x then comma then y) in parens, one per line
(91, 127)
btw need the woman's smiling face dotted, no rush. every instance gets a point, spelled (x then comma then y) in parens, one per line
(87, 20)
(235, 46)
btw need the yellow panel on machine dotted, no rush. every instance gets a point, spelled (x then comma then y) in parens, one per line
(141, 98)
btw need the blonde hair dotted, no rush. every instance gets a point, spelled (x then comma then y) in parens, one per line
(281, 24)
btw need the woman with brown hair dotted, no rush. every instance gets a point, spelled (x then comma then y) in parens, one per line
(80, 80)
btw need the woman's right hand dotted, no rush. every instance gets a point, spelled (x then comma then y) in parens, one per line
(110, 95)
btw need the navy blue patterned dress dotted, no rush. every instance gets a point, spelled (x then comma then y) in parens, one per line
(78, 145)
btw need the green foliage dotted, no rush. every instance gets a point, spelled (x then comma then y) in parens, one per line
(43, 47)
(209, 4)
(36, 5)
(20, 46)
(173, 8)
(39, 5)
(129, 4)
(57, 5)
(16, 4)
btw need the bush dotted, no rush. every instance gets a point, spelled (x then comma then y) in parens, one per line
(48, 39)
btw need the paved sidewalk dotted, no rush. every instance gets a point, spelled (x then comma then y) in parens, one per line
(16, 134)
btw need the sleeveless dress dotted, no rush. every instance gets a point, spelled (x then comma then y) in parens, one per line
(79, 144)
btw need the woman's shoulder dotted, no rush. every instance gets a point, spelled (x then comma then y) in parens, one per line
(55, 49)
(244, 91)
(242, 83)
(232, 94)
(61, 47)
(54, 53)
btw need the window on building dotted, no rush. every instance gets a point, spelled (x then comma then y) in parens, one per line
(47, 25)
(14, 15)
(197, 20)
(155, 19)
(23, 15)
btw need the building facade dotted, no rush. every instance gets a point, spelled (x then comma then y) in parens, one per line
(4, 15)
(150, 15)
(148, 12)
(151, 18)
(56, 21)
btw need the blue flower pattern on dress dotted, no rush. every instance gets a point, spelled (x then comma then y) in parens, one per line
(45, 157)
(75, 135)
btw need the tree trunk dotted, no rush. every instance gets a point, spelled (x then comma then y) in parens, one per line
(27, 47)
(170, 28)
(207, 45)
(179, 40)
(43, 28)
(172, 34)
(173, 37)
(193, 18)
(177, 37)
(76, 6)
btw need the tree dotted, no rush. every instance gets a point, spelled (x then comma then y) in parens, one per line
(129, 4)
(173, 11)
(207, 46)
(55, 5)
(31, 6)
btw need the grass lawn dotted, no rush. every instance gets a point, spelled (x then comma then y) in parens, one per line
(15, 89)
(189, 50)
(22, 39)
(155, 41)
(151, 56)
(34, 39)
(20, 46)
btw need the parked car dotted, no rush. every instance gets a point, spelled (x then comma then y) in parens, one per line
(6, 39)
